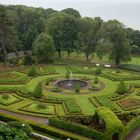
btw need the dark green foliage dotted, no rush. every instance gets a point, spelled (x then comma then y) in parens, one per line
(21, 126)
(121, 88)
(77, 88)
(47, 82)
(43, 48)
(15, 130)
(38, 91)
(96, 80)
(98, 70)
(32, 71)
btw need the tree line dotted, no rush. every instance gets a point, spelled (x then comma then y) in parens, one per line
(47, 31)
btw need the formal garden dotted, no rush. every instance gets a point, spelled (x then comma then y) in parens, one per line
(67, 77)
(88, 100)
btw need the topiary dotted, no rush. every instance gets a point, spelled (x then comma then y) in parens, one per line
(77, 88)
(67, 76)
(38, 91)
(32, 71)
(96, 80)
(121, 88)
(47, 82)
(98, 70)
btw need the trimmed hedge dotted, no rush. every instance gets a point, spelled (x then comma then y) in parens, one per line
(113, 125)
(131, 67)
(131, 126)
(76, 128)
(63, 135)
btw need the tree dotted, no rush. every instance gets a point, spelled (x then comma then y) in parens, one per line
(88, 35)
(119, 49)
(72, 12)
(121, 88)
(4, 25)
(54, 28)
(38, 91)
(43, 48)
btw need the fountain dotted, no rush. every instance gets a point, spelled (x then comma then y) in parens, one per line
(71, 83)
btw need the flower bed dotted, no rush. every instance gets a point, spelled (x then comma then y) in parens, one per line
(118, 75)
(10, 99)
(129, 103)
(48, 109)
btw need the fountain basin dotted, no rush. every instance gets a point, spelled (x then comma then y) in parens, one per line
(70, 84)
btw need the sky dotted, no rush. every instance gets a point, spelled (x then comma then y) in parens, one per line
(126, 11)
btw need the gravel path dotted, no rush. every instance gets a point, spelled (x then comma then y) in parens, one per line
(134, 135)
(40, 120)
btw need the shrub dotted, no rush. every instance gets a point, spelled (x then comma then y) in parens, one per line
(96, 80)
(47, 82)
(98, 70)
(67, 76)
(21, 126)
(32, 71)
(77, 88)
(38, 91)
(121, 88)
(5, 96)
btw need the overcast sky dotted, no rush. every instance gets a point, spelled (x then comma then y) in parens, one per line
(127, 11)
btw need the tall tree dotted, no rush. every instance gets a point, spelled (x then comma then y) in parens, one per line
(43, 48)
(4, 25)
(72, 12)
(88, 35)
(115, 33)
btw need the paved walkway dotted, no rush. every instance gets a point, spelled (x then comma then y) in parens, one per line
(40, 120)
(134, 135)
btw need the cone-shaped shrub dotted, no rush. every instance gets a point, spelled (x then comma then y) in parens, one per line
(77, 88)
(32, 71)
(96, 80)
(121, 88)
(38, 91)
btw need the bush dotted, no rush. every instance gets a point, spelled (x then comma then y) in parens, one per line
(67, 76)
(121, 88)
(98, 70)
(38, 91)
(77, 88)
(32, 71)
(21, 126)
(96, 80)
(47, 82)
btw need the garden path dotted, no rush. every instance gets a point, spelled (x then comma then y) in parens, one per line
(40, 120)
(134, 135)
